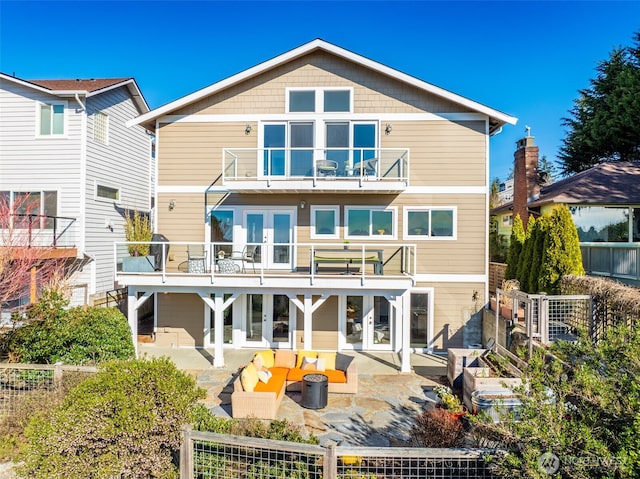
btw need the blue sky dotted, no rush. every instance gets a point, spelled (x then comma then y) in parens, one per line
(525, 58)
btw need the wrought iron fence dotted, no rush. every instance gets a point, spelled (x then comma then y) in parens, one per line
(209, 455)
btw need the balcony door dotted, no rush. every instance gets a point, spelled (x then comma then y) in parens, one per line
(269, 237)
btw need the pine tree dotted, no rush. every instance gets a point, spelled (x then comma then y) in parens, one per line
(526, 256)
(515, 247)
(561, 251)
(538, 238)
(604, 125)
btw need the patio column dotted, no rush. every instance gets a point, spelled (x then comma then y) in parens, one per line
(308, 326)
(218, 331)
(132, 316)
(405, 313)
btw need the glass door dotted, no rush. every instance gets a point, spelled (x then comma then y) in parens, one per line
(274, 150)
(369, 323)
(268, 321)
(269, 238)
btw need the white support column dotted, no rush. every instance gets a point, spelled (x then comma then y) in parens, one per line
(218, 331)
(132, 315)
(405, 313)
(308, 317)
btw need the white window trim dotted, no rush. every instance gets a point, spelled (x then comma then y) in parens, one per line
(103, 198)
(65, 124)
(107, 127)
(319, 100)
(405, 223)
(394, 222)
(336, 210)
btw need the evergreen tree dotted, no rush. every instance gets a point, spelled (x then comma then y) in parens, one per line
(538, 236)
(526, 256)
(604, 125)
(515, 247)
(561, 251)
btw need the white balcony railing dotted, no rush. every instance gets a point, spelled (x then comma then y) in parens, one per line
(372, 260)
(315, 165)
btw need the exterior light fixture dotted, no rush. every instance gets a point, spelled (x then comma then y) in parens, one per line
(387, 129)
(172, 205)
(247, 129)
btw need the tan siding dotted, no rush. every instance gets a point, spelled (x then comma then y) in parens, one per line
(373, 92)
(453, 307)
(442, 153)
(180, 320)
(191, 153)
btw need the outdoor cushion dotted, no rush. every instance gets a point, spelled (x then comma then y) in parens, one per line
(258, 362)
(267, 357)
(329, 360)
(305, 354)
(249, 378)
(334, 375)
(275, 384)
(285, 358)
(343, 361)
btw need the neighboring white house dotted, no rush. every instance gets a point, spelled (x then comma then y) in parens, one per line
(65, 143)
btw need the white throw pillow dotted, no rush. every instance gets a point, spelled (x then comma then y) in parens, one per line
(264, 375)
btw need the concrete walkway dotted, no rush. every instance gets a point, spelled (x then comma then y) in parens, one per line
(380, 414)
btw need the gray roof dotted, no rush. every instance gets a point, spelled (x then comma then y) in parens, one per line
(610, 183)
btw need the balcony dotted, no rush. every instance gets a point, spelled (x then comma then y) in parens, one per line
(331, 170)
(181, 264)
(56, 236)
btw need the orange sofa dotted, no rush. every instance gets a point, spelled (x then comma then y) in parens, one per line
(260, 387)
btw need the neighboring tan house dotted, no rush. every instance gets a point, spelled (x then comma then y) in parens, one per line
(349, 201)
(64, 144)
(604, 202)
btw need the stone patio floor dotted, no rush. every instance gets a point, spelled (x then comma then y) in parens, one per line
(379, 415)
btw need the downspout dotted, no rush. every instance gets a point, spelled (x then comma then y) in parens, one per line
(84, 108)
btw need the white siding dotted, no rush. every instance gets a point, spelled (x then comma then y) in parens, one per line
(31, 163)
(123, 164)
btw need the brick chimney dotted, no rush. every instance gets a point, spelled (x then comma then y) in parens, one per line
(525, 177)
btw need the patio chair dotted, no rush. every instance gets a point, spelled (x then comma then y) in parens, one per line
(196, 258)
(327, 167)
(249, 254)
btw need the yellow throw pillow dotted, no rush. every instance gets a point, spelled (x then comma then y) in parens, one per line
(305, 354)
(329, 360)
(249, 378)
(267, 357)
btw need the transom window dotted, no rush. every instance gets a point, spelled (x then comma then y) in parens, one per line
(51, 119)
(430, 222)
(319, 100)
(365, 222)
(325, 221)
(107, 192)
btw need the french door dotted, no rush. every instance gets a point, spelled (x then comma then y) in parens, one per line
(268, 320)
(368, 323)
(269, 238)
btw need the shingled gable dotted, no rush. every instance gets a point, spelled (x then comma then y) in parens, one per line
(496, 118)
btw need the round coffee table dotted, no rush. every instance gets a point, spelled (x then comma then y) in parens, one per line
(315, 391)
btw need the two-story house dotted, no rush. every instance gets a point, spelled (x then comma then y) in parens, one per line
(319, 200)
(66, 150)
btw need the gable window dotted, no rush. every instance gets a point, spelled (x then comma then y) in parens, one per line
(319, 100)
(302, 101)
(51, 117)
(363, 222)
(324, 222)
(101, 127)
(107, 193)
(426, 222)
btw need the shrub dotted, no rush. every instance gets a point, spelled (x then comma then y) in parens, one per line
(124, 422)
(77, 336)
(437, 428)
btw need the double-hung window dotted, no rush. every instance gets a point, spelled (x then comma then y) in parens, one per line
(51, 119)
(370, 222)
(430, 223)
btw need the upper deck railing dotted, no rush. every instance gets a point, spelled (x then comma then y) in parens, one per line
(44, 231)
(315, 166)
